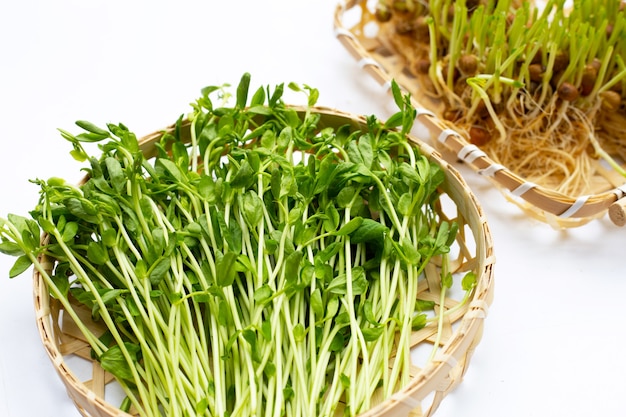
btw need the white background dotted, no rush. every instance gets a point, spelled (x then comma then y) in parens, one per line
(554, 338)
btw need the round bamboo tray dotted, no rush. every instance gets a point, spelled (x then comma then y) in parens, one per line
(431, 381)
(357, 29)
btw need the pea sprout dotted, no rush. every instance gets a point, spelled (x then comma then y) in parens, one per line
(545, 92)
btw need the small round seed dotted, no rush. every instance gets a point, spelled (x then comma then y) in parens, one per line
(479, 135)
(567, 91)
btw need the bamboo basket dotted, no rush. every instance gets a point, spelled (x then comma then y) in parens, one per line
(430, 383)
(357, 29)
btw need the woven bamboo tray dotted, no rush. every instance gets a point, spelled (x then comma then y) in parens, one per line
(431, 381)
(357, 29)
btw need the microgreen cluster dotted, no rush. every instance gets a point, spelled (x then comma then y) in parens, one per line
(256, 264)
(541, 88)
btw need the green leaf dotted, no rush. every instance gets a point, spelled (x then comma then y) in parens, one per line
(469, 281)
(126, 404)
(229, 345)
(307, 274)
(419, 321)
(269, 370)
(409, 174)
(338, 285)
(90, 127)
(96, 253)
(350, 227)
(275, 183)
(46, 225)
(62, 283)
(29, 241)
(78, 154)
(226, 269)
(180, 155)
(128, 139)
(21, 264)
(61, 221)
(158, 240)
(422, 167)
(277, 95)
(332, 218)
(266, 330)
(10, 248)
(410, 251)
(424, 305)
(132, 306)
(19, 222)
(158, 270)
(442, 236)
(285, 137)
(369, 231)
(323, 272)
(299, 332)
(245, 175)
(288, 185)
(325, 173)
(328, 252)
(33, 228)
(268, 139)
(353, 153)
(332, 307)
(206, 189)
(368, 313)
(263, 294)
(90, 137)
(109, 237)
(113, 361)
(234, 237)
(262, 110)
(345, 197)
(231, 232)
(372, 334)
(242, 90)
(397, 94)
(83, 209)
(141, 269)
(224, 315)
(317, 305)
(288, 392)
(69, 231)
(404, 204)
(109, 295)
(314, 95)
(385, 161)
(202, 406)
(172, 168)
(295, 215)
(359, 281)
(394, 121)
(292, 264)
(258, 98)
(250, 337)
(338, 343)
(366, 151)
(454, 228)
(116, 174)
(303, 234)
(345, 381)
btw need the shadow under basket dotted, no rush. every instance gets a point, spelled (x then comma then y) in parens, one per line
(94, 392)
(359, 32)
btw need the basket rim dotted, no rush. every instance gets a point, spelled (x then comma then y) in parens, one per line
(543, 203)
(433, 377)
